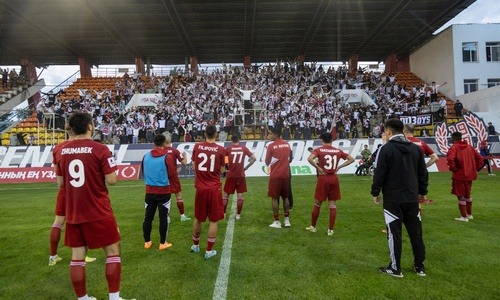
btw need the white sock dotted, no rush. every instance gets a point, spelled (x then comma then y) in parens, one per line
(114, 296)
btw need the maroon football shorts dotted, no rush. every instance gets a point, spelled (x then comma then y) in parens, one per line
(97, 234)
(208, 204)
(278, 187)
(327, 187)
(461, 188)
(238, 184)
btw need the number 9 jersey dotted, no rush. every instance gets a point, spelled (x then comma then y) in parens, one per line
(83, 165)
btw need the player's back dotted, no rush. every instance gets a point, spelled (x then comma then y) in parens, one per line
(328, 158)
(236, 160)
(83, 165)
(278, 157)
(422, 145)
(208, 158)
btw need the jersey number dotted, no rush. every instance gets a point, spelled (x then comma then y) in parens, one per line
(330, 162)
(204, 160)
(237, 157)
(77, 173)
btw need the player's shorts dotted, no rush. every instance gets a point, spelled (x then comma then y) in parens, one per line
(238, 184)
(175, 185)
(327, 187)
(278, 187)
(60, 203)
(208, 204)
(461, 188)
(97, 234)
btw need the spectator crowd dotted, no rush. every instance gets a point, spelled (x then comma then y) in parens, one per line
(302, 100)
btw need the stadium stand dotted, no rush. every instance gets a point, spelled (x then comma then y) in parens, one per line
(302, 102)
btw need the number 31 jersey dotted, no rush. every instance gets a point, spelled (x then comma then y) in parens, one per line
(83, 164)
(328, 158)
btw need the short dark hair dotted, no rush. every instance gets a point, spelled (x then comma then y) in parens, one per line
(159, 140)
(235, 138)
(79, 123)
(456, 136)
(276, 131)
(326, 137)
(210, 131)
(395, 125)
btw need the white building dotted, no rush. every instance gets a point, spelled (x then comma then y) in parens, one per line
(467, 58)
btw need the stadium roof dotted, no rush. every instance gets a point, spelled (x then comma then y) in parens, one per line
(168, 31)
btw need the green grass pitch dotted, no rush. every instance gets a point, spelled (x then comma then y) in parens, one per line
(463, 259)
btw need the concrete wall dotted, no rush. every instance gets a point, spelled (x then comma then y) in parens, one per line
(434, 62)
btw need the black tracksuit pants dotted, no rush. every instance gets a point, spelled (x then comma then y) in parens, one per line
(397, 214)
(152, 202)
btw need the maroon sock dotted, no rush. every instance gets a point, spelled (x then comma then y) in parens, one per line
(333, 217)
(113, 273)
(210, 243)
(277, 217)
(55, 236)
(196, 240)
(463, 210)
(180, 206)
(315, 214)
(468, 205)
(239, 205)
(77, 275)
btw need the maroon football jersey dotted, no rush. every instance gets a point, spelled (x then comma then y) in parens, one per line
(328, 158)
(236, 157)
(278, 158)
(83, 165)
(208, 158)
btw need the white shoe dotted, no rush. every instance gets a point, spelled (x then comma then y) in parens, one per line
(329, 232)
(275, 224)
(195, 248)
(311, 228)
(287, 223)
(90, 259)
(470, 217)
(492, 174)
(462, 219)
(54, 260)
(237, 217)
(185, 218)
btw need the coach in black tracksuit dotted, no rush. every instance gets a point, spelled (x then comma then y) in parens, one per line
(401, 175)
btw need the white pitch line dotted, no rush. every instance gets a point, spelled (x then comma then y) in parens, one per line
(220, 290)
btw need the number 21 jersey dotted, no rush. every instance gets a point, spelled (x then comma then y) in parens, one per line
(208, 158)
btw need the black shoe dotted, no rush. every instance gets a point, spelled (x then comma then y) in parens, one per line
(420, 270)
(391, 271)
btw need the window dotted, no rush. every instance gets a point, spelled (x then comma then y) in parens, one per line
(493, 82)
(469, 52)
(470, 85)
(492, 51)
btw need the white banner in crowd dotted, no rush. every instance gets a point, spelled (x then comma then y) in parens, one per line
(138, 100)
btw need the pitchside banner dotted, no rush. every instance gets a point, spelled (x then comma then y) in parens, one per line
(417, 120)
(33, 163)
